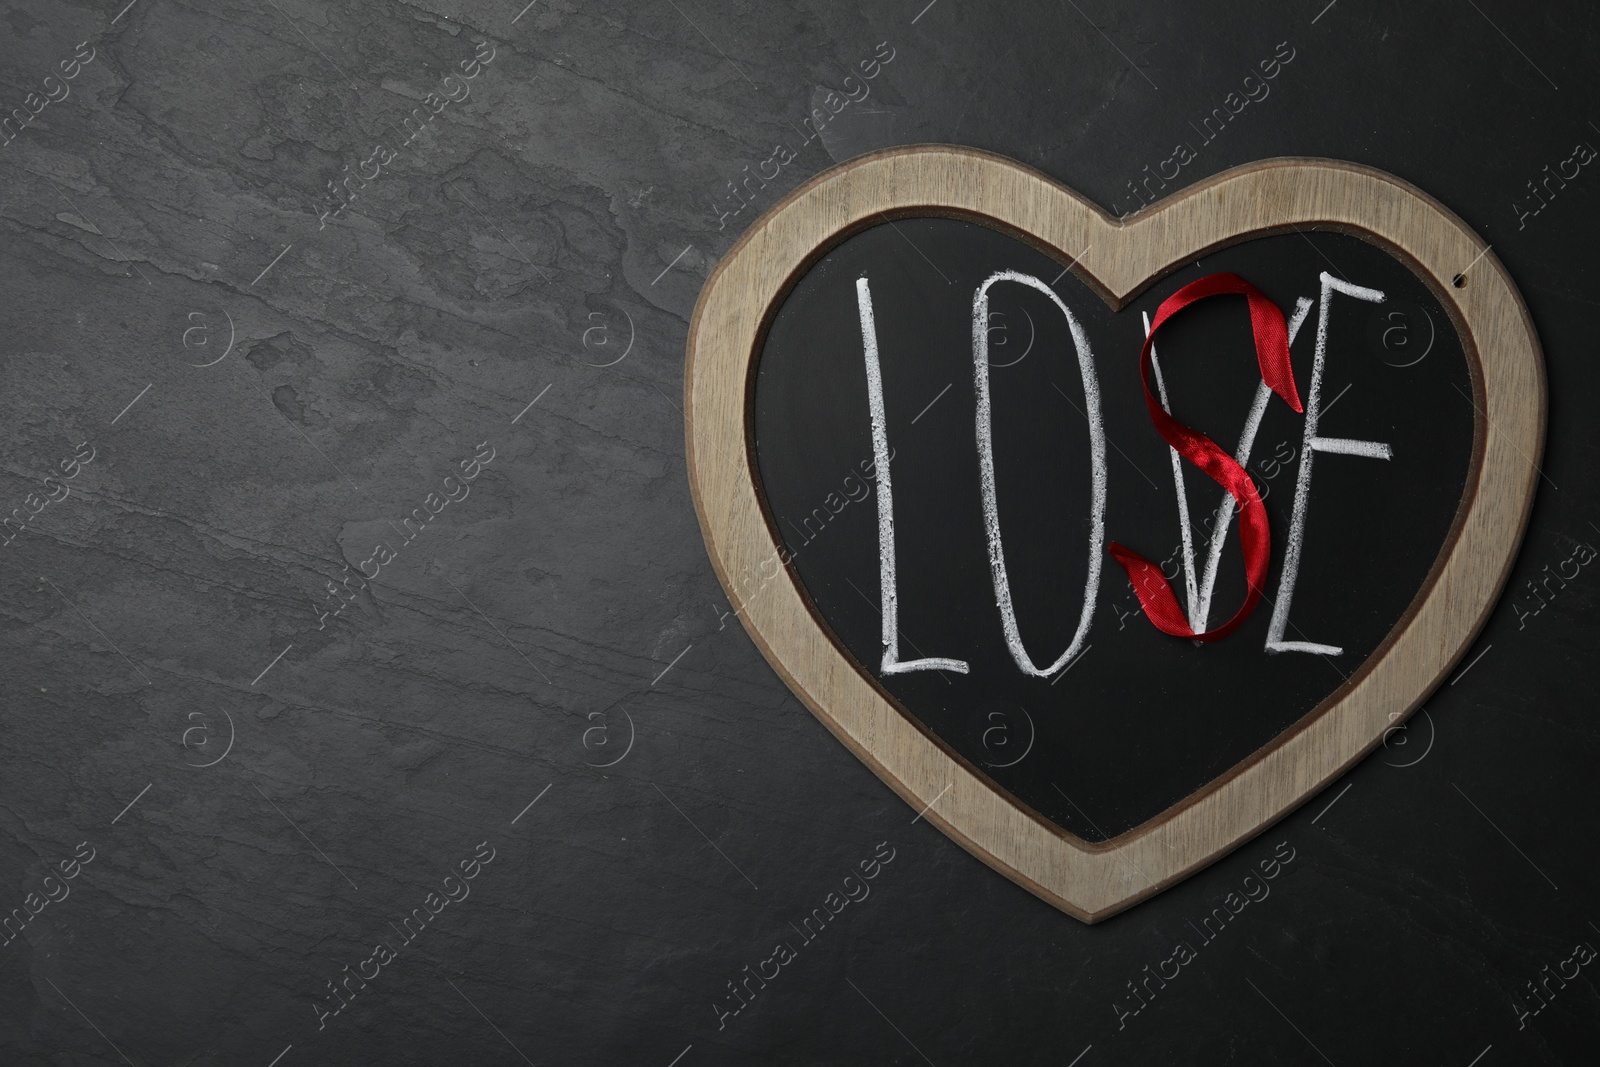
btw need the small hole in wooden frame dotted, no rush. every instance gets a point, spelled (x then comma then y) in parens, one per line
(1459, 281)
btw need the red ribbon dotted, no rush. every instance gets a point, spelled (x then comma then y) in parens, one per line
(1272, 353)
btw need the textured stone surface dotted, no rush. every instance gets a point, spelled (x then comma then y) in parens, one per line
(165, 614)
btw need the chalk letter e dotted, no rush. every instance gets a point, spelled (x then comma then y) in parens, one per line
(1311, 444)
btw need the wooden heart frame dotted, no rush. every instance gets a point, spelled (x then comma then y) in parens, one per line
(1117, 259)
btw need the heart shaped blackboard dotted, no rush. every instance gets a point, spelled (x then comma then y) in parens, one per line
(916, 421)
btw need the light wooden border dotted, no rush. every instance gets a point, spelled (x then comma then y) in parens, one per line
(1093, 881)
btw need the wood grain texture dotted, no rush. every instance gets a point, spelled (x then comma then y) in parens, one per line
(1117, 258)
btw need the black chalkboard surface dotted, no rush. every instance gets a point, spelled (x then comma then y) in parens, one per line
(1134, 721)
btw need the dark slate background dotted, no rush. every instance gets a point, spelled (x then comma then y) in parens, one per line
(163, 616)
